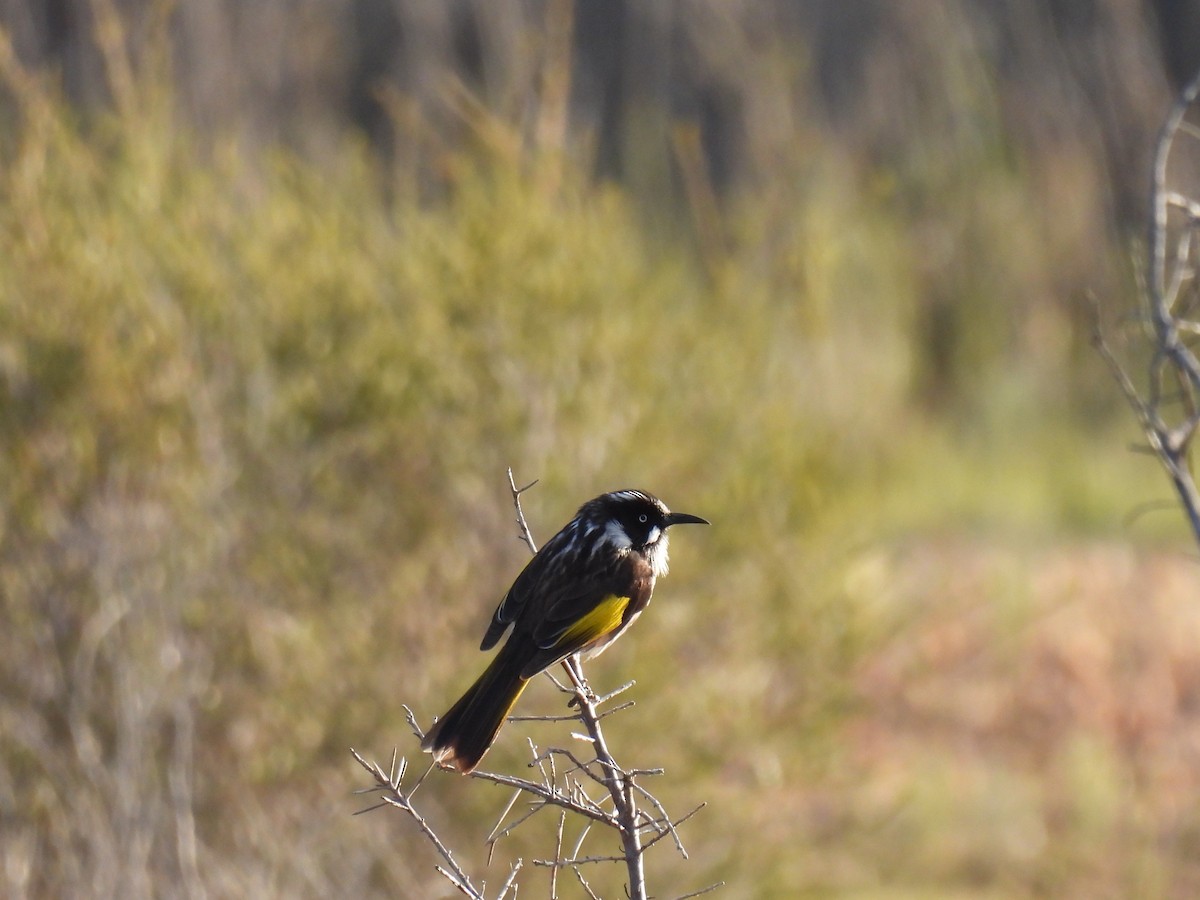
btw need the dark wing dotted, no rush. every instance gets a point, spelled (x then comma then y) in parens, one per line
(563, 601)
(579, 612)
(545, 568)
(570, 600)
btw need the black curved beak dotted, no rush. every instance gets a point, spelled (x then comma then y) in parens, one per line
(684, 519)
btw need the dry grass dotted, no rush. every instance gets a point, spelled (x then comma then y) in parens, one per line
(1041, 710)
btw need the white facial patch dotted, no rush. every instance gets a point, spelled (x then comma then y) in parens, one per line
(616, 536)
(656, 555)
(655, 533)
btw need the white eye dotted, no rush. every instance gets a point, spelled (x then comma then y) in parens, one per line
(643, 518)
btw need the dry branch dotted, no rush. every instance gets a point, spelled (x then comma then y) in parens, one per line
(1169, 419)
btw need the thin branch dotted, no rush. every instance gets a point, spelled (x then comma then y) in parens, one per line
(1181, 201)
(1144, 414)
(708, 890)
(1189, 129)
(558, 845)
(1168, 445)
(583, 882)
(575, 851)
(520, 820)
(540, 761)
(1160, 197)
(1170, 253)
(412, 722)
(1181, 273)
(622, 689)
(561, 687)
(526, 534)
(615, 780)
(571, 717)
(551, 796)
(577, 764)
(390, 782)
(628, 704)
(462, 889)
(671, 830)
(1161, 200)
(512, 879)
(496, 833)
(576, 861)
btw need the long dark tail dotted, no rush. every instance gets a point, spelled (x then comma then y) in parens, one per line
(463, 735)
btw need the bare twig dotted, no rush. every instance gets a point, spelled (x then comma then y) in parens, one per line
(411, 717)
(525, 535)
(576, 861)
(1168, 431)
(708, 890)
(496, 833)
(550, 796)
(390, 783)
(575, 852)
(618, 782)
(512, 879)
(558, 846)
(622, 689)
(670, 828)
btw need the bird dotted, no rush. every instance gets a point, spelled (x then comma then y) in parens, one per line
(577, 595)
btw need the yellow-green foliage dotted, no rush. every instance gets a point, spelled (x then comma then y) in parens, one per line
(254, 420)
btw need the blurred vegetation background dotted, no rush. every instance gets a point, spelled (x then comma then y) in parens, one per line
(284, 287)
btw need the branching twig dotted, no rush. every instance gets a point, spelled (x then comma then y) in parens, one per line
(390, 783)
(618, 782)
(1168, 434)
(526, 535)
(512, 879)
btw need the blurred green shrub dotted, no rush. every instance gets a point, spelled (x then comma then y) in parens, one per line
(254, 418)
(253, 421)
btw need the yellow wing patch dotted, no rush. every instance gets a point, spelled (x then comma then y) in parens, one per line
(605, 617)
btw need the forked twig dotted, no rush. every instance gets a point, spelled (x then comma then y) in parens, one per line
(526, 535)
(390, 783)
(1168, 432)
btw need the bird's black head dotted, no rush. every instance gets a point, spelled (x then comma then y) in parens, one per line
(636, 520)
